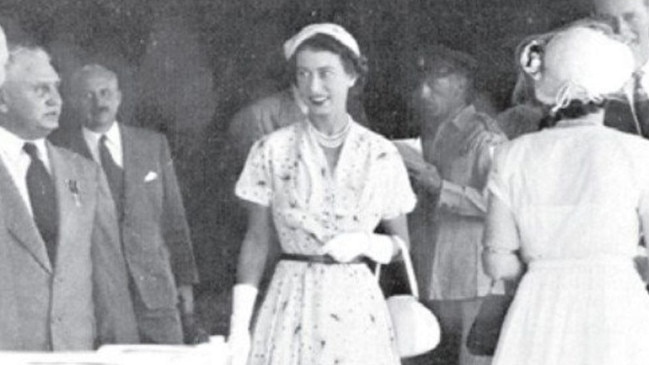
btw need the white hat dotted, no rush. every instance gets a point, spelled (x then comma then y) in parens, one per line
(4, 55)
(580, 63)
(334, 30)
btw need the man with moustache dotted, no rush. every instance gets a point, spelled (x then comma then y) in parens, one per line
(154, 231)
(630, 114)
(64, 282)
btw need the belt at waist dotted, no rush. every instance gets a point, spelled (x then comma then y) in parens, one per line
(316, 259)
(593, 261)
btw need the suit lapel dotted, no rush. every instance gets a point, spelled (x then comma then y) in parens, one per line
(79, 145)
(132, 167)
(19, 221)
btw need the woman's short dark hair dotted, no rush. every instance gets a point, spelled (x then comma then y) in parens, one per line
(575, 109)
(352, 64)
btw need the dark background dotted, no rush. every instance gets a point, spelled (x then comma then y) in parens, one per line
(186, 66)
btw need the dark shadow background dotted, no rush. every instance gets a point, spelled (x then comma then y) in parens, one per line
(187, 65)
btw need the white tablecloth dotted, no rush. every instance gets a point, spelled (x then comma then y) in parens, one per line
(213, 353)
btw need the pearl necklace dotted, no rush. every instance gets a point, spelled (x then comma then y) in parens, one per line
(331, 141)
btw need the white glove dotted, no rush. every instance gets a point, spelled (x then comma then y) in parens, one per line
(346, 247)
(243, 302)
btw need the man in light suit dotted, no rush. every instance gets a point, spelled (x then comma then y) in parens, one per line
(64, 282)
(154, 231)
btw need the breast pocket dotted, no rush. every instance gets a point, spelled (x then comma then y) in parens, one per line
(152, 188)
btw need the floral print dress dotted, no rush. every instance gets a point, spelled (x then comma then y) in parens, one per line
(317, 313)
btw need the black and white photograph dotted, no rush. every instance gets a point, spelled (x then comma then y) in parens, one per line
(324, 182)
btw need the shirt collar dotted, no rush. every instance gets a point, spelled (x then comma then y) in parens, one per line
(112, 134)
(462, 119)
(11, 145)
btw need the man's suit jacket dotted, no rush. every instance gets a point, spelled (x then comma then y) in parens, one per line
(83, 299)
(619, 115)
(155, 235)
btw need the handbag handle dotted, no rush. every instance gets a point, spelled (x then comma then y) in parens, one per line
(410, 272)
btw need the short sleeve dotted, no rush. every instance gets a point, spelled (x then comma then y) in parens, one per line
(399, 197)
(498, 181)
(255, 182)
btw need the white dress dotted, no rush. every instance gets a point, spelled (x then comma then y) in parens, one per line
(576, 192)
(317, 313)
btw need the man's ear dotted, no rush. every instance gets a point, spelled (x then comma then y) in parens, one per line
(462, 86)
(352, 80)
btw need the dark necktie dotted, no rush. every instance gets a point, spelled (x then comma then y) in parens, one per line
(641, 104)
(42, 196)
(114, 174)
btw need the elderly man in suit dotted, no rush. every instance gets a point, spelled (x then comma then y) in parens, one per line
(64, 282)
(630, 113)
(154, 231)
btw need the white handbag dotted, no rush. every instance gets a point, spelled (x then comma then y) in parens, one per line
(416, 328)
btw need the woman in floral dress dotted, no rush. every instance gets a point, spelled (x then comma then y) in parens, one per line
(323, 185)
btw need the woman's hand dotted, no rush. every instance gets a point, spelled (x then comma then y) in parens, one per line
(239, 347)
(243, 303)
(346, 247)
(502, 265)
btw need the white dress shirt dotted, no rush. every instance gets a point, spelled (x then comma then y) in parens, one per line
(645, 77)
(113, 143)
(17, 161)
(628, 88)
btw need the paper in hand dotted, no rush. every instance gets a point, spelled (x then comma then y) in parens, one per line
(411, 152)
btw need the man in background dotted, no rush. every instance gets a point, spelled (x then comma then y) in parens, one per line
(154, 231)
(450, 174)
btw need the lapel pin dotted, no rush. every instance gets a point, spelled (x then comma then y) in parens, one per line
(73, 186)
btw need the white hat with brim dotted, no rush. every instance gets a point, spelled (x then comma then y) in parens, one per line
(333, 30)
(582, 63)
